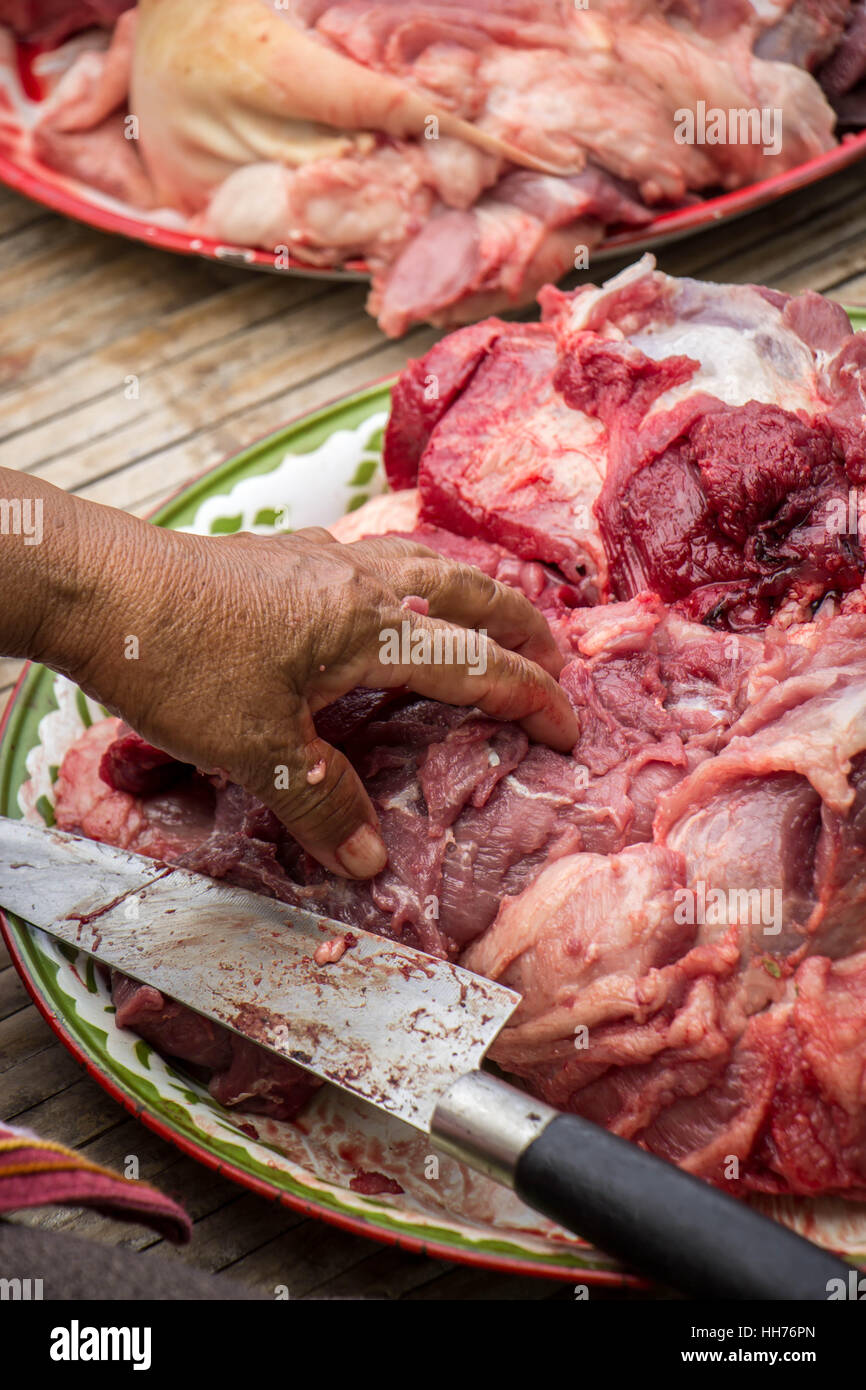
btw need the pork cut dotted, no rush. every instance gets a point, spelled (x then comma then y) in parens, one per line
(679, 901)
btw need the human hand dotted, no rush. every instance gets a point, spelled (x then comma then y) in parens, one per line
(222, 650)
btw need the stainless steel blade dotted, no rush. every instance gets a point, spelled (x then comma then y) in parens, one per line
(45, 874)
(385, 1022)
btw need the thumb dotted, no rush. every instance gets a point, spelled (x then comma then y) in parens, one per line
(320, 799)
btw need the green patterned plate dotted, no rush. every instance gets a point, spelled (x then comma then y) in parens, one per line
(310, 473)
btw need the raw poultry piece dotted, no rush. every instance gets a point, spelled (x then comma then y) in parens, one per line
(83, 131)
(466, 154)
(680, 901)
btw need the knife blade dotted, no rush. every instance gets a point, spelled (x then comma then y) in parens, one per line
(407, 1033)
(248, 962)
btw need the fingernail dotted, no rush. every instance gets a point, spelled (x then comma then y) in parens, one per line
(363, 855)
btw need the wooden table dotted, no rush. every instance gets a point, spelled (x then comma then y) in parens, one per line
(223, 356)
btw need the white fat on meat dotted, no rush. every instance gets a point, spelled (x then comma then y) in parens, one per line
(359, 205)
(393, 511)
(576, 943)
(744, 349)
(754, 360)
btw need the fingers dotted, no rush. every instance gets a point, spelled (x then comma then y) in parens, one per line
(321, 800)
(445, 662)
(390, 549)
(459, 593)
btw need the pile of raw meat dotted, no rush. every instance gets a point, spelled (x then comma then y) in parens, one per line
(466, 153)
(669, 470)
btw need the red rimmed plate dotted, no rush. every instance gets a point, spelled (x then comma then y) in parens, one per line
(22, 88)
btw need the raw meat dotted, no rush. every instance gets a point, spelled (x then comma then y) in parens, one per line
(681, 900)
(520, 235)
(695, 439)
(393, 511)
(82, 128)
(467, 154)
(693, 1036)
(530, 488)
(50, 21)
(806, 32)
(240, 1073)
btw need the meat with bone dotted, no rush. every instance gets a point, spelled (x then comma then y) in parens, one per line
(680, 900)
(465, 153)
(695, 439)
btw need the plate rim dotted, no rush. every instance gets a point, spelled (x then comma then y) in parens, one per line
(670, 226)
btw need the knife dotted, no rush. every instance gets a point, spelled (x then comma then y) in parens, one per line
(407, 1033)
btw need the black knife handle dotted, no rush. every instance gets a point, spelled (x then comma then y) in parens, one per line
(664, 1223)
(668, 1224)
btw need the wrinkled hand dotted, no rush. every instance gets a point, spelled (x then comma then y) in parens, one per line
(238, 641)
